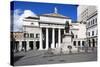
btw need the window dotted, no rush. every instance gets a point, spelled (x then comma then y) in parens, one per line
(73, 36)
(89, 33)
(76, 36)
(93, 21)
(74, 43)
(88, 23)
(92, 33)
(37, 35)
(26, 35)
(31, 35)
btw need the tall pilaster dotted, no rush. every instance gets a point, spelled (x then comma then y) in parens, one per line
(34, 45)
(41, 37)
(59, 38)
(27, 45)
(47, 38)
(53, 37)
(20, 45)
(34, 42)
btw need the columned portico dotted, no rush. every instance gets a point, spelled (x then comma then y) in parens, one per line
(53, 35)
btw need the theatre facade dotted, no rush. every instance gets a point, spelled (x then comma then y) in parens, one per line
(48, 31)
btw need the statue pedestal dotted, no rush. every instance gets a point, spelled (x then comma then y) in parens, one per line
(66, 45)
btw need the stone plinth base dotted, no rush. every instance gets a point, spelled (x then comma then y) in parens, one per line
(66, 46)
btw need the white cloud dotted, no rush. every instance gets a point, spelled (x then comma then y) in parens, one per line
(16, 23)
(18, 18)
(29, 13)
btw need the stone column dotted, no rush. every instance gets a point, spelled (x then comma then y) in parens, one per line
(53, 37)
(20, 45)
(91, 43)
(34, 45)
(34, 42)
(76, 43)
(27, 45)
(47, 38)
(41, 37)
(59, 38)
(81, 43)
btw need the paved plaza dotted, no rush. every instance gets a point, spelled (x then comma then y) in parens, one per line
(41, 57)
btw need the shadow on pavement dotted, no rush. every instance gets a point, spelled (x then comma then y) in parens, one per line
(16, 58)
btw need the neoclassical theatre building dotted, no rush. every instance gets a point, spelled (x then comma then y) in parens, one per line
(50, 31)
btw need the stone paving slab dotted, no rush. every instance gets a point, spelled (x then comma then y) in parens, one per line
(69, 58)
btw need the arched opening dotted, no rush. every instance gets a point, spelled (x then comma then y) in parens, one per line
(78, 43)
(37, 44)
(83, 43)
(31, 45)
(89, 43)
(74, 43)
(24, 45)
(16, 46)
(93, 42)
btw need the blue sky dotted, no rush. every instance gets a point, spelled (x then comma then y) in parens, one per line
(40, 8)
